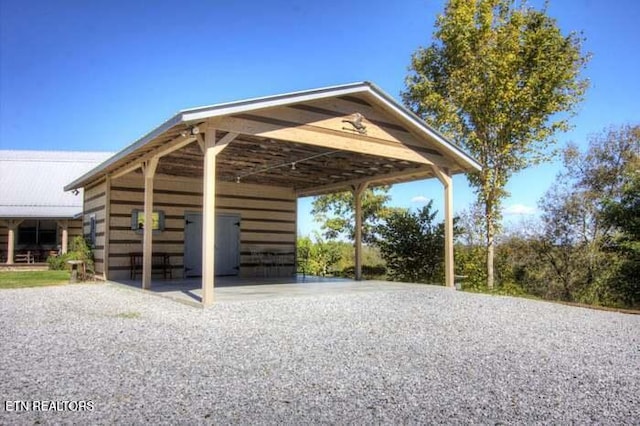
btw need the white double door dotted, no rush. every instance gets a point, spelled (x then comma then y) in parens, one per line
(227, 244)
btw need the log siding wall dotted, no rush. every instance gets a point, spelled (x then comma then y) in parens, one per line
(4, 236)
(95, 206)
(74, 229)
(268, 219)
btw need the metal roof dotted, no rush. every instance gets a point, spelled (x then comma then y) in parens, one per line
(32, 182)
(217, 110)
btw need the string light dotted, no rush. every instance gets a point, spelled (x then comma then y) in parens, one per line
(291, 164)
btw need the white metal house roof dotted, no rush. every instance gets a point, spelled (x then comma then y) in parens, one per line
(32, 182)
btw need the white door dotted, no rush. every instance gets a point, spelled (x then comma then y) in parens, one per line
(227, 244)
(193, 244)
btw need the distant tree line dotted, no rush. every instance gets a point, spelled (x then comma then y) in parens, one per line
(586, 245)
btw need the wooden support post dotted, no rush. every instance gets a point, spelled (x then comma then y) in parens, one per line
(357, 198)
(147, 241)
(212, 148)
(209, 218)
(445, 178)
(11, 241)
(12, 226)
(107, 229)
(64, 225)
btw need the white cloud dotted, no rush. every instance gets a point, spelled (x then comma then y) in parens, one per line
(420, 199)
(518, 210)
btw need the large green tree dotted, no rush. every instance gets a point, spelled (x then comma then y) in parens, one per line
(495, 79)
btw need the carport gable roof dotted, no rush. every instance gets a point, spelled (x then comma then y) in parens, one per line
(185, 118)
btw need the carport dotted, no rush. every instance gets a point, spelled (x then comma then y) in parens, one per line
(320, 141)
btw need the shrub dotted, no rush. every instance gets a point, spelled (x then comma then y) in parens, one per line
(470, 261)
(371, 272)
(412, 245)
(58, 263)
(78, 250)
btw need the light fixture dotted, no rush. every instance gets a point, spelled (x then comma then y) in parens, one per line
(291, 164)
(75, 192)
(195, 130)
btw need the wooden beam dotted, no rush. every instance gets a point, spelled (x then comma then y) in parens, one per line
(447, 182)
(421, 172)
(160, 151)
(310, 135)
(200, 141)
(150, 167)
(209, 218)
(375, 126)
(357, 198)
(224, 142)
(126, 170)
(212, 149)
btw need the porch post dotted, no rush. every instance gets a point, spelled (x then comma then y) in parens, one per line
(209, 217)
(445, 178)
(357, 197)
(149, 170)
(12, 225)
(64, 224)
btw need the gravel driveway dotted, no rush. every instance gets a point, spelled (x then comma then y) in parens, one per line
(411, 354)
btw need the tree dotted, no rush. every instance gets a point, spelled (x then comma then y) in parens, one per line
(412, 245)
(335, 212)
(319, 257)
(471, 233)
(303, 254)
(495, 79)
(570, 242)
(587, 218)
(625, 215)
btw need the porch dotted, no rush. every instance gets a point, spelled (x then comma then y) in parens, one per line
(234, 288)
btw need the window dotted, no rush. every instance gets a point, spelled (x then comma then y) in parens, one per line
(42, 233)
(28, 233)
(137, 221)
(92, 230)
(47, 233)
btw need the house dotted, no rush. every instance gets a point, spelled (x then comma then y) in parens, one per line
(219, 183)
(37, 217)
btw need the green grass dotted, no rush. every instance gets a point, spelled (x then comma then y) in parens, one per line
(22, 279)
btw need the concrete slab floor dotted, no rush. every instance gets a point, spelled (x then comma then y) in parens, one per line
(233, 289)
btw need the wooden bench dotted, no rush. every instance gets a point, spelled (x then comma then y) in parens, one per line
(24, 257)
(160, 262)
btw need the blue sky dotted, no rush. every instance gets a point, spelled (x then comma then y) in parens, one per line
(96, 75)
